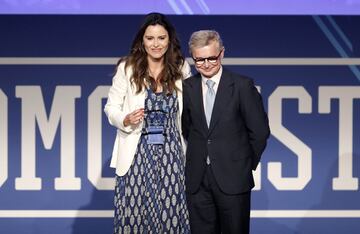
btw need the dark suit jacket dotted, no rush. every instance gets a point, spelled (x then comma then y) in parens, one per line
(235, 139)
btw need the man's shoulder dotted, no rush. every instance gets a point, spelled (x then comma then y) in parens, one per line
(237, 77)
(192, 79)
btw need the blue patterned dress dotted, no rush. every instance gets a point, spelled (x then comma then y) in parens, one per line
(150, 198)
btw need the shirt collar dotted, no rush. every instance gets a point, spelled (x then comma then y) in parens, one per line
(215, 78)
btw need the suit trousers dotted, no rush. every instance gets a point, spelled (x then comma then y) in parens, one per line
(212, 211)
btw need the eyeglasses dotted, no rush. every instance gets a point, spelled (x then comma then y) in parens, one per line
(212, 59)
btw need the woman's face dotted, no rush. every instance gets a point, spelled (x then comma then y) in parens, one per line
(156, 41)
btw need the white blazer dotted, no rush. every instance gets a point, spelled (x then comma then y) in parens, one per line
(122, 99)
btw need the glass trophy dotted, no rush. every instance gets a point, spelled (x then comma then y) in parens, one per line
(155, 127)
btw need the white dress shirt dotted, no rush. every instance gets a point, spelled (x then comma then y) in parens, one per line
(216, 79)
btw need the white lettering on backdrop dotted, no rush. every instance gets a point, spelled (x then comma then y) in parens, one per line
(63, 112)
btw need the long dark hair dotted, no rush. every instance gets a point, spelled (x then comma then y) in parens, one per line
(173, 58)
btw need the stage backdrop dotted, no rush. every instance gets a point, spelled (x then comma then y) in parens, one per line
(56, 143)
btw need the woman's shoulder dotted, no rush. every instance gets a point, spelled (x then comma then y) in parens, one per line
(122, 66)
(186, 69)
(121, 63)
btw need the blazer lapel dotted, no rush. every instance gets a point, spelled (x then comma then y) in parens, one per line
(223, 96)
(178, 84)
(198, 101)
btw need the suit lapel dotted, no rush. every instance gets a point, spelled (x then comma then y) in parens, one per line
(198, 101)
(223, 96)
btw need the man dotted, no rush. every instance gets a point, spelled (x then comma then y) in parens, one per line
(226, 129)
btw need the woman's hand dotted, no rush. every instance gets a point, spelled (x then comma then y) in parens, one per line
(134, 117)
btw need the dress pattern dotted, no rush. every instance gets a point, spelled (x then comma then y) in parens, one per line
(150, 197)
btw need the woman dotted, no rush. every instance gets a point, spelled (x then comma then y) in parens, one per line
(145, 105)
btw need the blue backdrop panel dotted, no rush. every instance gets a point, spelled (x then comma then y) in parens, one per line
(307, 69)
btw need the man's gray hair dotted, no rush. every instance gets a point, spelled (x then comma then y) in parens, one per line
(203, 38)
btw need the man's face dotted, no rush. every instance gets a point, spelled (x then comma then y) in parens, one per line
(207, 59)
